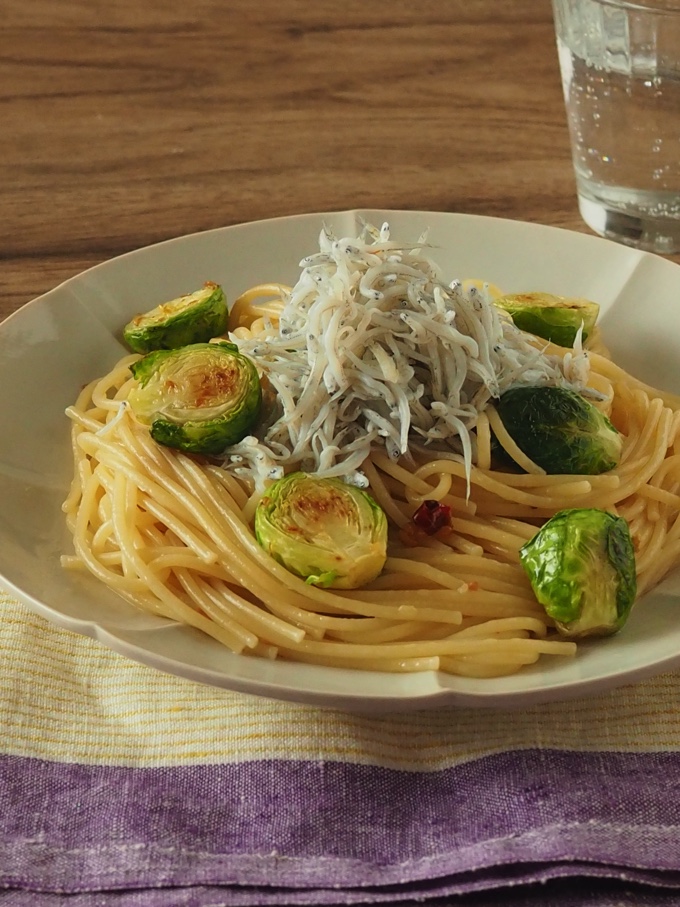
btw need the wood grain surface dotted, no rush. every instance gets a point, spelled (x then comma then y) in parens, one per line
(127, 123)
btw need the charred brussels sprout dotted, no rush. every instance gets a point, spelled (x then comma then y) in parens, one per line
(199, 399)
(560, 430)
(329, 533)
(554, 318)
(581, 566)
(194, 318)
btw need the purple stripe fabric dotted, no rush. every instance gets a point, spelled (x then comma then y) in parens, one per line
(274, 832)
(556, 892)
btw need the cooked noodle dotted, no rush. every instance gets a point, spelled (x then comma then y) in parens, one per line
(171, 533)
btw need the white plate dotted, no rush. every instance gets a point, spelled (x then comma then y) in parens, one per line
(65, 338)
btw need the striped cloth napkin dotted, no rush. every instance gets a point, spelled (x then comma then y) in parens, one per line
(122, 786)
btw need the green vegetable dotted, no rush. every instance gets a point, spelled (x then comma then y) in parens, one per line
(329, 533)
(560, 430)
(581, 565)
(554, 318)
(194, 318)
(200, 399)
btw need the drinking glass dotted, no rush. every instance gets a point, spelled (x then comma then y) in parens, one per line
(620, 65)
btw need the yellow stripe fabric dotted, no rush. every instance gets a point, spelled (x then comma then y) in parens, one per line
(64, 697)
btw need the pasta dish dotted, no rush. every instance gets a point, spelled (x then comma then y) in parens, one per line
(373, 375)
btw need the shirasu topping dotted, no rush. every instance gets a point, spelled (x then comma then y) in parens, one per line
(373, 348)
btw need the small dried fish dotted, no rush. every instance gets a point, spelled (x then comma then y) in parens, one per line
(372, 347)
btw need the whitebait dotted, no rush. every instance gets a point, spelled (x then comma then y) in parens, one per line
(371, 348)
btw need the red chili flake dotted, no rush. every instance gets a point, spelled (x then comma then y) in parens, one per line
(432, 516)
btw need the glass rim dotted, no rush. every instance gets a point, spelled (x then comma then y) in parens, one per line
(655, 7)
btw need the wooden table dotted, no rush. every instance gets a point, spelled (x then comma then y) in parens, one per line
(128, 123)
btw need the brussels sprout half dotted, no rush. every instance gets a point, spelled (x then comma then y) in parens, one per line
(329, 533)
(581, 565)
(200, 398)
(194, 318)
(560, 430)
(554, 318)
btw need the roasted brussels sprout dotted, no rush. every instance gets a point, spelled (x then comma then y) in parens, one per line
(329, 533)
(555, 318)
(194, 318)
(560, 430)
(200, 398)
(581, 565)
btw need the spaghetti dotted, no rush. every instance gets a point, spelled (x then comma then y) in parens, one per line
(171, 533)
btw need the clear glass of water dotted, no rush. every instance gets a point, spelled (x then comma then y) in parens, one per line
(620, 65)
